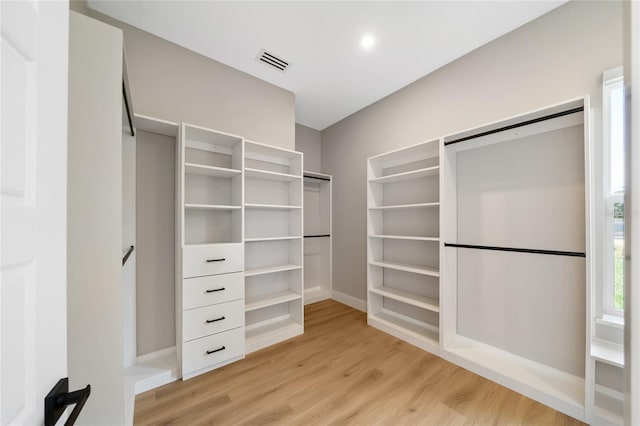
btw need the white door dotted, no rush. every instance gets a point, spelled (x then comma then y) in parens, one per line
(33, 159)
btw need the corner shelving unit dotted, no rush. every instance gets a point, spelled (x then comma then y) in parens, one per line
(317, 237)
(273, 245)
(403, 222)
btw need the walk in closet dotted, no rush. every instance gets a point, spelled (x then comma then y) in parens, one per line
(403, 243)
(317, 237)
(273, 277)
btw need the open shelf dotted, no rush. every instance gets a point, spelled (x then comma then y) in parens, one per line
(265, 174)
(418, 330)
(211, 207)
(203, 169)
(270, 206)
(255, 240)
(406, 206)
(518, 373)
(413, 174)
(262, 334)
(270, 270)
(407, 297)
(423, 270)
(270, 300)
(155, 125)
(405, 237)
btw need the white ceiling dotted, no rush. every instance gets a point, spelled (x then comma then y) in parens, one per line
(332, 76)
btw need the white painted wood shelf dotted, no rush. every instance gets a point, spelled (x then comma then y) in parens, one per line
(203, 169)
(259, 335)
(270, 207)
(210, 207)
(405, 237)
(423, 270)
(265, 174)
(428, 303)
(406, 206)
(418, 330)
(270, 270)
(271, 299)
(414, 174)
(283, 238)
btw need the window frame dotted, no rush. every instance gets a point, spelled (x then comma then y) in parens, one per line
(612, 80)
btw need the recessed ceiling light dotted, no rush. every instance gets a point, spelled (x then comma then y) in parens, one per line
(368, 42)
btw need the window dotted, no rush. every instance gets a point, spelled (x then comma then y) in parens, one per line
(613, 126)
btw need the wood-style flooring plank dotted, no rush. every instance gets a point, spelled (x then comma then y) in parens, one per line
(340, 372)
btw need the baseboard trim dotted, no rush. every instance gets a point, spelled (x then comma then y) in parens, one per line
(157, 354)
(354, 302)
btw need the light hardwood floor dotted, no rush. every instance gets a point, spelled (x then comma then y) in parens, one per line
(341, 371)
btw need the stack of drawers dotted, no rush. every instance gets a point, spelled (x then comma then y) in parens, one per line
(212, 306)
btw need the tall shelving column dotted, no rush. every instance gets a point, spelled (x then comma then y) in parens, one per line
(403, 244)
(317, 237)
(210, 253)
(273, 245)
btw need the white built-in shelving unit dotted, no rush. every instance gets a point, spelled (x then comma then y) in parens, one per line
(210, 250)
(403, 244)
(317, 237)
(273, 277)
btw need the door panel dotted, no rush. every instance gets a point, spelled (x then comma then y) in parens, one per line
(33, 197)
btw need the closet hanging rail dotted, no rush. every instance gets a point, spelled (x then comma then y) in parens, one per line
(126, 106)
(514, 126)
(518, 250)
(317, 236)
(126, 256)
(317, 177)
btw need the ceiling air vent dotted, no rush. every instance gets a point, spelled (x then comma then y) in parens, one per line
(273, 61)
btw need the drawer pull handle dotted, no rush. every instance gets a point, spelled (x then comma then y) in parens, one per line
(216, 350)
(222, 259)
(215, 289)
(214, 320)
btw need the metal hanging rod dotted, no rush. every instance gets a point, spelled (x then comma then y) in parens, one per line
(126, 256)
(316, 177)
(514, 126)
(518, 250)
(317, 236)
(126, 106)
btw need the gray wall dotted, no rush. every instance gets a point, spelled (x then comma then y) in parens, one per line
(559, 56)
(155, 231)
(177, 84)
(308, 141)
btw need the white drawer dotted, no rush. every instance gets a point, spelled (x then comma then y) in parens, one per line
(207, 351)
(211, 259)
(212, 289)
(213, 319)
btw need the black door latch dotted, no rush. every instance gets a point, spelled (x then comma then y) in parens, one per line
(59, 397)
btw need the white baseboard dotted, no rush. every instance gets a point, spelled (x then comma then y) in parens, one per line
(354, 302)
(157, 354)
